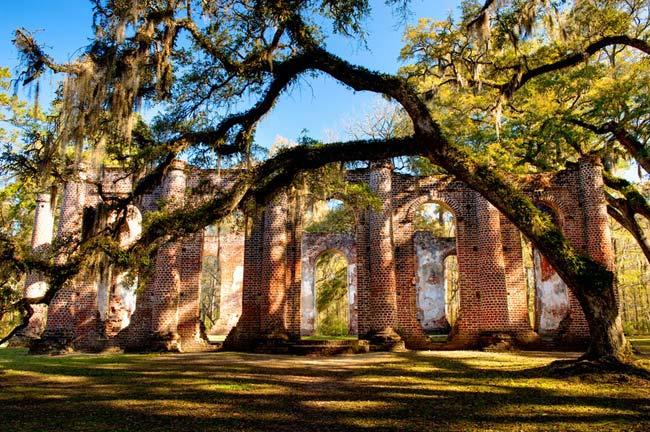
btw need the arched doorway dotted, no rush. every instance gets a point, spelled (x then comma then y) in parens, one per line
(328, 300)
(331, 295)
(437, 288)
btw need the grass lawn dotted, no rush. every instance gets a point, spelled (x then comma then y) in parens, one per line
(416, 391)
(328, 338)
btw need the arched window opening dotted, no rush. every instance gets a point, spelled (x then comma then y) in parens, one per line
(329, 216)
(438, 292)
(435, 218)
(332, 295)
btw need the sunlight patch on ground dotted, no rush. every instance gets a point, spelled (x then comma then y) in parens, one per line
(412, 391)
(347, 406)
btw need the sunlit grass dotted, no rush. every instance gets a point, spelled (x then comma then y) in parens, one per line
(216, 338)
(417, 391)
(328, 338)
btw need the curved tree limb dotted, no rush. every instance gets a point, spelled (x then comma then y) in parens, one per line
(523, 76)
(590, 281)
(265, 180)
(619, 210)
(635, 201)
(636, 149)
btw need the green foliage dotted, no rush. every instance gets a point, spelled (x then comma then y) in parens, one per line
(340, 219)
(435, 218)
(534, 128)
(210, 291)
(632, 281)
(331, 287)
(330, 183)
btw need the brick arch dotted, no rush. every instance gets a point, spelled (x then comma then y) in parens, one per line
(407, 262)
(432, 197)
(331, 197)
(313, 245)
(550, 201)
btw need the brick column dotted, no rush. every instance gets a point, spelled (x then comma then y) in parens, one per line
(61, 320)
(35, 284)
(382, 279)
(167, 279)
(517, 297)
(363, 274)
(294, 268)
(244, 335)
(468, 322)
(274, 269)
(598, 238)
(189, 262)
(493, 294)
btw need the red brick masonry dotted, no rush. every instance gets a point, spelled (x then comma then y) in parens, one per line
(382, 251)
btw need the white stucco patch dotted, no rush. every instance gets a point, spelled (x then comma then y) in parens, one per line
(552, 297)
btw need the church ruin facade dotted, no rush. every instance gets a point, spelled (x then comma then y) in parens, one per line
(395, 276)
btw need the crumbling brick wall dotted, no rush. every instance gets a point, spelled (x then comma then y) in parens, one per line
(272, 297)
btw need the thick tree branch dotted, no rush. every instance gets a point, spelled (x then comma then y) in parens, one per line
(577, 270)
(620, 211)
(520, 79)
(633, 146)
(635, 201)
(284, 74)
(269, 177)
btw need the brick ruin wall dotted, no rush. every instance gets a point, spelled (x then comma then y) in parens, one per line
(395, 274)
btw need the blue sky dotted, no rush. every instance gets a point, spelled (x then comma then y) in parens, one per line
(318, 105)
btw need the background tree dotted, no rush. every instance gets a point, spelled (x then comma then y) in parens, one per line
(331, 286)
(21, 138)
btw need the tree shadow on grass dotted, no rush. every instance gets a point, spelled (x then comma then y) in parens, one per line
(229, 391)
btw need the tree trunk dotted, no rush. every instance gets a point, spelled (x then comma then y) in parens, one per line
(608, 342)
